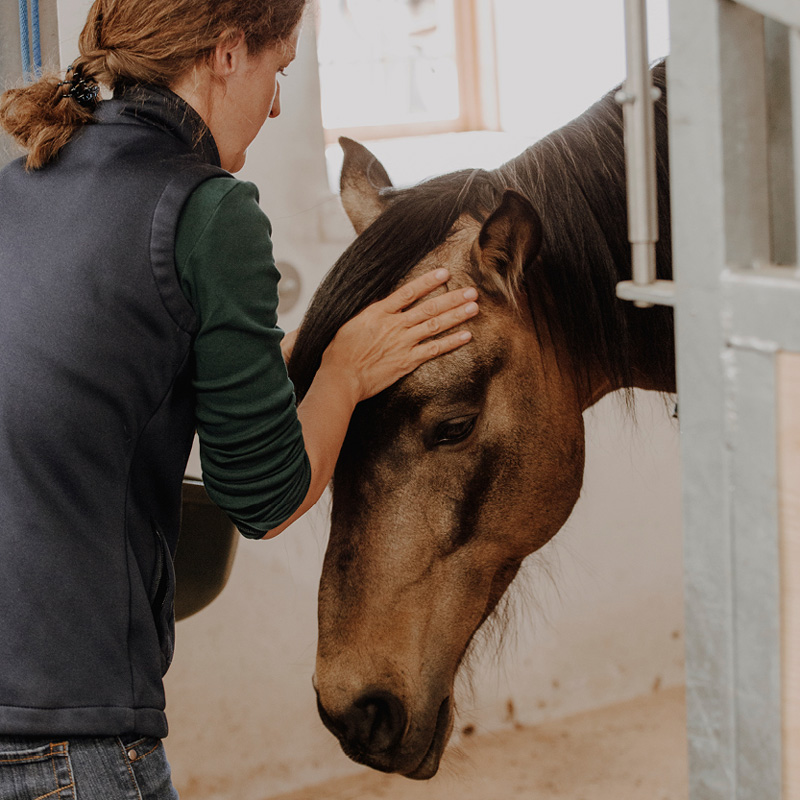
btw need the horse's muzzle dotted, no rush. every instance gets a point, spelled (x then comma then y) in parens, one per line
(372, 732)
(374, 724)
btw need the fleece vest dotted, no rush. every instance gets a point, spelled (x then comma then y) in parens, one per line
(96, 418)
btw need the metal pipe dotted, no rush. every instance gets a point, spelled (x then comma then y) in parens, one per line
(637, 97)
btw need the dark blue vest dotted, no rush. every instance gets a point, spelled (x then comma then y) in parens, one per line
(96, 418)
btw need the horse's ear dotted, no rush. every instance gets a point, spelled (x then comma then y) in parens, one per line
(363, 176)
(509, 240)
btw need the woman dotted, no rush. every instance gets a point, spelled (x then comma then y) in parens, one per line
(138, 302)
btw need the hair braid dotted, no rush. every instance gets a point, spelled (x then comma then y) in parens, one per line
(127, 42)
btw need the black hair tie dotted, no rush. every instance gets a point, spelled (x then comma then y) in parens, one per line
(83, 89)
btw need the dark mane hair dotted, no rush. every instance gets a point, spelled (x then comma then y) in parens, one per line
(575, 178)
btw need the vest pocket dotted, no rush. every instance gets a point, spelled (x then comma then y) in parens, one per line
(162, 601)
(32, 772)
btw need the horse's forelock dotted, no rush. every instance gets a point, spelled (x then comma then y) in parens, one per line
(416, 221)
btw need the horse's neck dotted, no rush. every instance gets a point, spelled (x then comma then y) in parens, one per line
(652, 359)
(653, 345)
(650, 353)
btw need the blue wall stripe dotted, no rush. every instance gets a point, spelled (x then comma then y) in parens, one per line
(36, 39)
(24, 43)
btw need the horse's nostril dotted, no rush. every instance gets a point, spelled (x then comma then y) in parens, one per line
(373, 724)
(378, 721)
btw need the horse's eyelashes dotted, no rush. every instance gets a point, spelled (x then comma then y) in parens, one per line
(453, 431)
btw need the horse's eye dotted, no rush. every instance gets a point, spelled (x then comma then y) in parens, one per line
(454, 430)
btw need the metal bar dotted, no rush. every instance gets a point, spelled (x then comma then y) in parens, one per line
(695, 120)
(763, 307)
(637, 100)
(751, 428)
(749, 409)
(659, 293)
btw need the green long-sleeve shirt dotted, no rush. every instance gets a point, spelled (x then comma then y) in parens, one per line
(254, 462)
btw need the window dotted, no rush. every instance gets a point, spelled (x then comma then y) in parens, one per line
(399, 67)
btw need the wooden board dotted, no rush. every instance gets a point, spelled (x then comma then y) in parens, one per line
(788, 365)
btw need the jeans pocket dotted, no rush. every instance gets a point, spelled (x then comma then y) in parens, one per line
(33, 771)
(138, 747)
(163, 601)
(148, 761)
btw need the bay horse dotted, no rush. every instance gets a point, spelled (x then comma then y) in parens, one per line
(451, 477)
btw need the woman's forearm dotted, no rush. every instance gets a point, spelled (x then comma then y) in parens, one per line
(325, 415)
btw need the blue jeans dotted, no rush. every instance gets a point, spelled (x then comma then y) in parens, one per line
(84, 768)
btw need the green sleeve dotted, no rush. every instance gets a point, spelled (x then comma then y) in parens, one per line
(254, 461)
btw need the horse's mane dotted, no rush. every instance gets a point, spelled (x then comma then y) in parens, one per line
(575, 178)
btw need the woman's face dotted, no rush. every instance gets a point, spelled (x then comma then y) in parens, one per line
(240, 94)
(252, 94)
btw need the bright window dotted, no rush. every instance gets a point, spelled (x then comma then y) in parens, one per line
(524, 68)
(394, 67)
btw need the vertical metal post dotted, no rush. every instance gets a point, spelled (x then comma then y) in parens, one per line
(640, 147)
(637, 97)
(696, 179)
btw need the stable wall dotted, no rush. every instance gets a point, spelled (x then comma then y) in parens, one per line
(599, 614)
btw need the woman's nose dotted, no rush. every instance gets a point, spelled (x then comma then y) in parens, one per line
(276, 103)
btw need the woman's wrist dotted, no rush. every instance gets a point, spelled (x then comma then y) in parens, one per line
(338, 371)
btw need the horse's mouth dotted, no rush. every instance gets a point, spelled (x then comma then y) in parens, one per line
(429, 765)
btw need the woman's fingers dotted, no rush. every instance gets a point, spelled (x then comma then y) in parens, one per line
(448, 318)
(434, 315)
(434, 308)
(410, 292)
(385, 342)
(435, 347)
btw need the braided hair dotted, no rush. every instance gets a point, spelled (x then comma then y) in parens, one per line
(130, 42)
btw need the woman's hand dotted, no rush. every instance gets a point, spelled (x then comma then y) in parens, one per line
(287, 345)
(387, 340)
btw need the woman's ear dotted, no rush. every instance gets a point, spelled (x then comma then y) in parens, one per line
(229, 53)
(509, 240)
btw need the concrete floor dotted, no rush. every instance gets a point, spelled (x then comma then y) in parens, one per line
(631, 751)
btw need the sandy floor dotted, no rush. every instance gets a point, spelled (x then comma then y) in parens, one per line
(631, 751)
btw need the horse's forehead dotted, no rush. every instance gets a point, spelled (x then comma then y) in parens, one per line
(488, 347)
(451, 380)
(454, 252)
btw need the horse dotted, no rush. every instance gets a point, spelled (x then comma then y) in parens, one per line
(451, 477)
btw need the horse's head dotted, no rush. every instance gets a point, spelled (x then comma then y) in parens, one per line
(446, 481)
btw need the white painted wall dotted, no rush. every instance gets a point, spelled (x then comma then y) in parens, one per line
(556, 59)
(600, 608)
